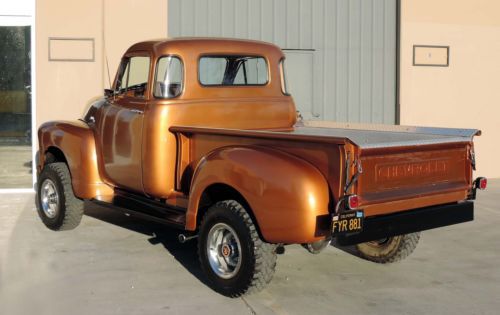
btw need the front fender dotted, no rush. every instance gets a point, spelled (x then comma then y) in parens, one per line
(288, 196)
(76, 141)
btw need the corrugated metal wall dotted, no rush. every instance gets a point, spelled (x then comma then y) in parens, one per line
(341, 54)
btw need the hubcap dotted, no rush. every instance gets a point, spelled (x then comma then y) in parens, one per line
(49, 198)
(379, 243)
(223, 251)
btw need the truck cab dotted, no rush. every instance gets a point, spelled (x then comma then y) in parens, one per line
(238, 84)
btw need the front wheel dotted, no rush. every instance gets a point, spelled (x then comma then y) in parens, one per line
(57, 206)
(389, 249)
(234, 258)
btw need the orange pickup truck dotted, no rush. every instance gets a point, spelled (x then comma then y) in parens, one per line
(201, 135)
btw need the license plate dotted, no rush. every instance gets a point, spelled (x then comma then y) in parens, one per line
(348, 222)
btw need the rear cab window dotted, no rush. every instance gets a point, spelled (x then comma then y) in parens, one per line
(169, 77)
(225, 70)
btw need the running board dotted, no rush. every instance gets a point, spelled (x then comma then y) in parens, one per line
(145, 208)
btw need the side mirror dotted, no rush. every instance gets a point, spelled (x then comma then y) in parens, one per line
(109, 92)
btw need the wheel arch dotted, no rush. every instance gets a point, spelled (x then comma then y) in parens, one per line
(220, 192)
(54, 154)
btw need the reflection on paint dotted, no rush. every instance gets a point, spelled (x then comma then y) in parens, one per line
(312, 201)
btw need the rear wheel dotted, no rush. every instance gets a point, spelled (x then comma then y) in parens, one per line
(232, 255)
(57, 206)
(389, 249)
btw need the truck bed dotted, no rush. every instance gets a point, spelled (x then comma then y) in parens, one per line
(363, 136)
(379, 136)
(401, 168)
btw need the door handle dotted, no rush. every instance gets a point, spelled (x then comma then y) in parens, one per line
(137, 111)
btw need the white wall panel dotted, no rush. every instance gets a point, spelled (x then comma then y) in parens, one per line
(301, 80)
(349, 46)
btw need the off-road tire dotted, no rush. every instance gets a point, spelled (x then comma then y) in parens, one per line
(392, 249)
(258, 258)
(70, 208)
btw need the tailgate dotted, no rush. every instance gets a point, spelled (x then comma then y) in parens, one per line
(405, 167)
(409, 177)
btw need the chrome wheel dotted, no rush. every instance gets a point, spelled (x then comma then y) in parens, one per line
(224, 251)
(49, 198)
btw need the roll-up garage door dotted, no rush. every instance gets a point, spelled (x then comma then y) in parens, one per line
(341, 54)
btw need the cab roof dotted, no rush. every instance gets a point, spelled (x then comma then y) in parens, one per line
(206, 45)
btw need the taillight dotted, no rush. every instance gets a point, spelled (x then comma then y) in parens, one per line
(481, 183)
(353, 202)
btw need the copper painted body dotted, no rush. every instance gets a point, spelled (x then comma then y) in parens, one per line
(244, 137)
(77, 142)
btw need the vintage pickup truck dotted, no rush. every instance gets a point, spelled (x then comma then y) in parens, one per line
(201, 135)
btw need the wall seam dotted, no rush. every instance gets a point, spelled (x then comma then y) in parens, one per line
(105, 65)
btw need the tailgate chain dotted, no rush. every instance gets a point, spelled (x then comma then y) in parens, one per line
(359, 168)
(472, 157)
(354, 179)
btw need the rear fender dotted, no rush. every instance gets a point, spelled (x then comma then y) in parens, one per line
(76, 141)
(288, 197)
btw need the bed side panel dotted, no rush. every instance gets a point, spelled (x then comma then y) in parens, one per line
(288, 196)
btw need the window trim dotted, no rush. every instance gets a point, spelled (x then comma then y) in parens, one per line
(156, 72)
(283, 77)
(268, 77)
(130, 56)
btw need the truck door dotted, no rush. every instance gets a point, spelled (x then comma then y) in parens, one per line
(120, 132)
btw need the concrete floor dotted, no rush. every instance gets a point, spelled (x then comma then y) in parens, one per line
(113, 265)
(15, 166)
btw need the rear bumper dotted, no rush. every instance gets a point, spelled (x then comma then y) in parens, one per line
(410, 221)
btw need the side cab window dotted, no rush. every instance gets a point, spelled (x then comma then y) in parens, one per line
(133, 76)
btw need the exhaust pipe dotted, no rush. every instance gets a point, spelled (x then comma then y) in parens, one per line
(318, 246)
(183, 238)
